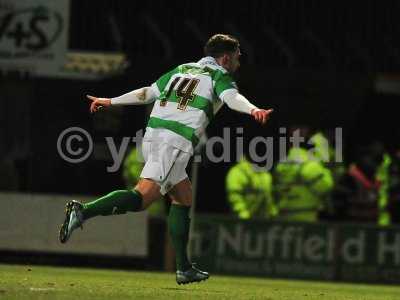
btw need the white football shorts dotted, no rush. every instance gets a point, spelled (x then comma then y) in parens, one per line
(164, 164)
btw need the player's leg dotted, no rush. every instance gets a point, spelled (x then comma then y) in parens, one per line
(179, 221)
(114, 203)
(179, 225)
(122, 201)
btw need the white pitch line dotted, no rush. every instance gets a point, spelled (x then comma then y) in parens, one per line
(41, 289)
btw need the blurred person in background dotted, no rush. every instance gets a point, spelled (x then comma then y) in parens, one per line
(133, 165)
(301, 186)
(186, 99)
(323, 145)
(249, 190)
(302, 182)
(389, 195)
(383, 176)
(357, 194)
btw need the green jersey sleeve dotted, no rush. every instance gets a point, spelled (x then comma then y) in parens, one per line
(162, 82)
(223, 83)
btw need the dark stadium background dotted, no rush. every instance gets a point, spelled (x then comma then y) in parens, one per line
(326, 79)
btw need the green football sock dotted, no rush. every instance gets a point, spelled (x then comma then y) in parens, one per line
(114, 203)
(179, 223)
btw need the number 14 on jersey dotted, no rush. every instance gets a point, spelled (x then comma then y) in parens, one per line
(184, 92)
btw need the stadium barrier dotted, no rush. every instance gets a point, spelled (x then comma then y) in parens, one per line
(323, 251)
(30, 223)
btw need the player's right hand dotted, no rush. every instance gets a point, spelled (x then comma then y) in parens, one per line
(261, 115)
(98, 103)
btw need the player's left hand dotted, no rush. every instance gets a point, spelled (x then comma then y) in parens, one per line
(261, 115)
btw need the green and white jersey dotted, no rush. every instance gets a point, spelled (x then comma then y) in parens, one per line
(188, 97)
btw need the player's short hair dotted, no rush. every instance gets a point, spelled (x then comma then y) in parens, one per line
(220, 44)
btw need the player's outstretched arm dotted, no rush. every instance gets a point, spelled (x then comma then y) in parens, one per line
(261, 115)
(238, 102)
(137, 97)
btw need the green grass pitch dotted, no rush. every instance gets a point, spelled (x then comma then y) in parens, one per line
(37, 282)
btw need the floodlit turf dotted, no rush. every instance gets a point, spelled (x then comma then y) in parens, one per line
(34, 282)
